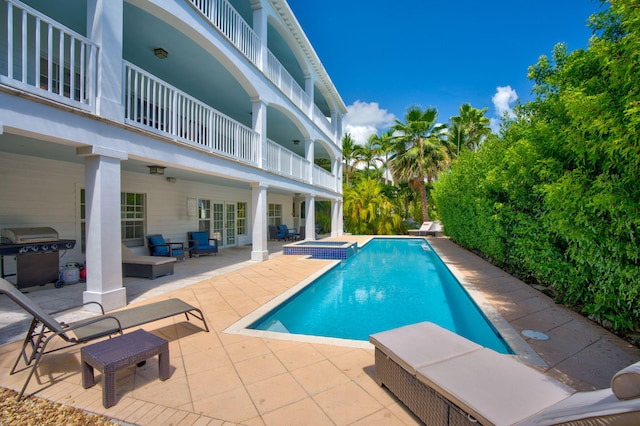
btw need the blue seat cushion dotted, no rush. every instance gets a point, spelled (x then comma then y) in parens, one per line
(201, 242)
(159, 250)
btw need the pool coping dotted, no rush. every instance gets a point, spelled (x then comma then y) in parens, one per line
(523, 351)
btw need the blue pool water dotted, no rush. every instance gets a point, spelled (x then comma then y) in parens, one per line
(388, 284)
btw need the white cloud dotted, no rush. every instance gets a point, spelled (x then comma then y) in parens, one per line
(502, 100)
(364, 119)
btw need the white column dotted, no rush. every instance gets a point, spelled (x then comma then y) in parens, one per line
(104, 26)
(310, 216)
(259, 250)
(336, 218)
(335, 125)
(103, 241)
(259, 123)
(310, 155)
(336, 170)
(309, 89)
(260, 28)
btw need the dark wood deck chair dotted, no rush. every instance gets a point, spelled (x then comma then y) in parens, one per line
(45, 327)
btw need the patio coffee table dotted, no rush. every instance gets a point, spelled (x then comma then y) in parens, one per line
(121, 352)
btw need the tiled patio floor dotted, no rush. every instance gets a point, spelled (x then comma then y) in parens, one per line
(221, 378)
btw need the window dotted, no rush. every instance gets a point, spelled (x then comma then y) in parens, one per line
(241, 219)
(204, 215)
(132, 219)
(275, 214)
(132, 214)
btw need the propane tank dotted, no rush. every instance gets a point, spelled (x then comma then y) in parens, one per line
(70, 274)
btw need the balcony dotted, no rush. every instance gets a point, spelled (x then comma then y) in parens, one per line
(223, 17)
(46, 58)
(156, 106)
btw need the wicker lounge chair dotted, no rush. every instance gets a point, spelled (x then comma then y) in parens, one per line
(44, 327)
(446, 379)
(145, 266)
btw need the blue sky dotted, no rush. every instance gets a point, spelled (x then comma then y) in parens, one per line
(384, 56)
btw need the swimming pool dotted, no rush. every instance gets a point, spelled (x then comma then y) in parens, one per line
(391, 282)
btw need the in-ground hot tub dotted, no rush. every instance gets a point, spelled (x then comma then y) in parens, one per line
(334, 250)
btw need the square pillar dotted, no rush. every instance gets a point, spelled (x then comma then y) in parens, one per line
(103, 240)
(310, 216)
(105, 25)
(259, 250)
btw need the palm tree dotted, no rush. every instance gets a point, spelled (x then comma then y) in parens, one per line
(349, 155)
(421, 151)
(368, 156)
(469, 128)
(385, 143)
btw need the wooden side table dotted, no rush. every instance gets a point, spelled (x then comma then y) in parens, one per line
(121, 352)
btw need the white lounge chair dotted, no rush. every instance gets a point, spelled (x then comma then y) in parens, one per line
(424, 230)
(446, 379)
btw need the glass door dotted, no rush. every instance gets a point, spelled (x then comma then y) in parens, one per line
(230, 224)
(218, 222)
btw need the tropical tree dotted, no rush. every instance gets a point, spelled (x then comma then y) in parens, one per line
(367, 156)
(469, 128)
(368, 210)
(421, 151)
(349, 155)
(385, 143)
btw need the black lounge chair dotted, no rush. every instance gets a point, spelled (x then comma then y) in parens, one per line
(45, 327)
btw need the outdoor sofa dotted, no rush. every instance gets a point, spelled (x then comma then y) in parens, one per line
(446, 379)
(150, 267)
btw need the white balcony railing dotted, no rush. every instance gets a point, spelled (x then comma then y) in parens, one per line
(153, 104)
(44, 57)
(222, 15)
(323, 178)
(283, 80)
(285, 162)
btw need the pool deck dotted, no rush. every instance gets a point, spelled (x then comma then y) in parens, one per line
(222, 378)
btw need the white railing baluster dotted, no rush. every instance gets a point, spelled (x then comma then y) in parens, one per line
(72, 63)
(10, 40)
(24, 46)
(36, 54)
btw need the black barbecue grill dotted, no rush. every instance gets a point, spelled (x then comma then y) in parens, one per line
(37, 254)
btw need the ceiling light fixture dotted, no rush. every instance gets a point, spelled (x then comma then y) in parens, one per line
(160, 53)
(156, 170)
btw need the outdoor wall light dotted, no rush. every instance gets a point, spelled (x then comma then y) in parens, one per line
(296, 141)
(156, 170)
(171, 179)
(160, 53)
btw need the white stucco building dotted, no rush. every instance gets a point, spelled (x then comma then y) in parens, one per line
(228, 97)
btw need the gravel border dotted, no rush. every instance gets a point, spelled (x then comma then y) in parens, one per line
(38, 411)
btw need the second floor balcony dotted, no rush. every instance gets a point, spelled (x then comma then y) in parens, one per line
(42, 56)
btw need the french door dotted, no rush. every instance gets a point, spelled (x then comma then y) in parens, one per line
(224, 222)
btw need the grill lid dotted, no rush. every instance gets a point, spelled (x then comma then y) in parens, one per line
(29, 235)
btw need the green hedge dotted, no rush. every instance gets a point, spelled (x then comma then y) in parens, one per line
(555, 198)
